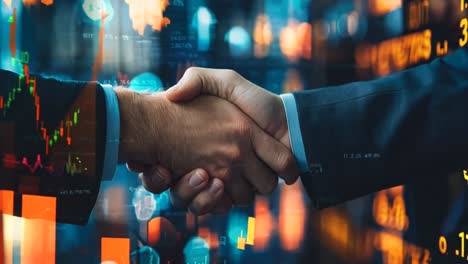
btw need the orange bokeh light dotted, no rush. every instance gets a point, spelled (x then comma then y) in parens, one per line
(161, 232)
(34, 2)
(394, 54)
(7, 3)
(263, 36)
(264, 224)
(211, 238)
(296, 40)
(291, 218)
(382, 7)
(148, 13)
(390, 210)
(293, 82)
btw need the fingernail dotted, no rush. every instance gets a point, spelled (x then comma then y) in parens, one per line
(196, 179)
(215, 187)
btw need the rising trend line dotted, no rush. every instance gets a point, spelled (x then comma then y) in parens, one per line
(49, 138)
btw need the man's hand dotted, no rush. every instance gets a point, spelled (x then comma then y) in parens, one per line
(265, 108)
(196, 190)
(205, 133)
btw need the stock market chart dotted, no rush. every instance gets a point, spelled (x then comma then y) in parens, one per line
(283, 46)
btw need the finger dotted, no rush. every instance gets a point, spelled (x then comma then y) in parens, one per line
(188, 87)
(135, 166)
(277, 156)
(229, 85)
(207, 199)
(188, 187)
(240, 191)
(198, 81)
(262, 178)
(155, 179)
(223, 206)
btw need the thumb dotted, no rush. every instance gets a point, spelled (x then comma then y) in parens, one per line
(197, 81)
(155, 178)
(188, 87)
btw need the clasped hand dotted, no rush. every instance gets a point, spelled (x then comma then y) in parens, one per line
(214, 138)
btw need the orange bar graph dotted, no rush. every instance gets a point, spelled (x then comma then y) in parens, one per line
(44, 131)
(6, 202)
(7, 227)
(61, 128)
(38, 236)
(26, 73)
(115, 249)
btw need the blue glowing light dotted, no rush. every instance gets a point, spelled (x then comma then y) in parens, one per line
(145, 255)
(394, 22)
(144, 204)
(163, 201)
(146, 83)
(197, 251)
(237, 226)
(239, 41)
(202, 21)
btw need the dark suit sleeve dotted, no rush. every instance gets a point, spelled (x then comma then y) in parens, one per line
(52, 136)
(366, 136)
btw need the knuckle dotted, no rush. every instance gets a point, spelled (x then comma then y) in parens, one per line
(231, 74)
(192, 71)
(285, 161)
(153, 186)
(199, 206)
(223, 174)
(235, 154)
(243, 128)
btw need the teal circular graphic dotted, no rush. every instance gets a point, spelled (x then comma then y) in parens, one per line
(197, 251)
(93, 9)
(146, 83)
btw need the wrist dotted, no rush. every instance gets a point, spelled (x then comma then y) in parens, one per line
(283, 129)
(129, 104)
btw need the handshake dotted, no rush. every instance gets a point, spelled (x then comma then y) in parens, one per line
(215, 139)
